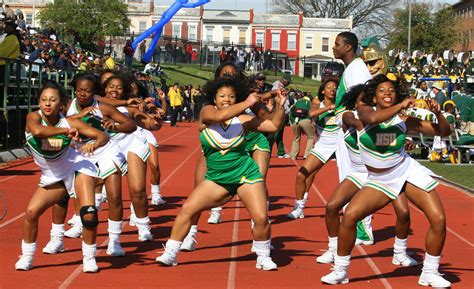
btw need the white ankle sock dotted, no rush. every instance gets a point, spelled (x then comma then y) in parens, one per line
(217, 209)
(143, 221)
(300, 203)
(193, 230)
(28, 249)
(332, 244)
(115, 229)
(88, 250)
(262, 248)
(57, 229)
(305, 195)
(173, 246)
(400, 246)
(431, 263)
(343, 261)
(155, 190)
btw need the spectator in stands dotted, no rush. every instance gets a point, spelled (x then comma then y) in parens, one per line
(438, 93)
(128, 53)
(21, 23)
(176, 103)
(142, 48)
(189, 52)
(109, 62)
(223, 57)
(10, 47)
(422, 91)
(261, 84)
(241, 55)
(9, 13)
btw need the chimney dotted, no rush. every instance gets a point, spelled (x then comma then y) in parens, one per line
(300, 14)
(251, 15)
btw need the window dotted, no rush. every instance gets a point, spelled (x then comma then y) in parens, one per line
(309, 42)
(325, 44)
(192, 32)
(242, 36)
(275, 40)
(141, 26)
(292, 41)
(29, 20)
(209, 32)
(226, 39)
(259, 39)
(176, 31)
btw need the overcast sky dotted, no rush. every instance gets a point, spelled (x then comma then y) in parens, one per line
(258, 5)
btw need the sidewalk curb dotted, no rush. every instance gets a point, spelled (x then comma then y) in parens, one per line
(14, 154)
(456, 186)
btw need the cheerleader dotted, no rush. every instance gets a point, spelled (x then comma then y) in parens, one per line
(391, 169)
(230, 169)
(49, 135)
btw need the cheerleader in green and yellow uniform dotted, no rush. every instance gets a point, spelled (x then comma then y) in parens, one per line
(230, 169)
(391, 170)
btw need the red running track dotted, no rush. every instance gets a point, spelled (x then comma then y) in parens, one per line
(223, 258)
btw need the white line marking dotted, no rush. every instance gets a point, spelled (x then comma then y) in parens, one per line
(12, 220)
(8, 178)
(78, 270)
(233, 251)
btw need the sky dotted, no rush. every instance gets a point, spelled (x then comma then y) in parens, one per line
(258, 5)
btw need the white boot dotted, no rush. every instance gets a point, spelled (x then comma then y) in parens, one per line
(328, 256)
(298, 211)
(430, 275)
(72, 221)
(339, 274)
(25, 262)
(264, 261)
(76, 230)
(168, 258)
(98, 201)
(88, 260)
(114, 248)
(56, 243)
(156, 198)
(400, 256)
(215, 217)
(189, 243)
(143, 226)
(133, 218)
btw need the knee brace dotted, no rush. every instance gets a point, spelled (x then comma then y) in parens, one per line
(86, 210)
(64, 201)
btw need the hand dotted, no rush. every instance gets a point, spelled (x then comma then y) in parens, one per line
(108, 124)
(149, 100)
(160, 112)
(73, 134)
(281, 97)
(87, 111)
(433, 106)
(253, 98)
(407, 102)
(409, 145)
(161, 93)
(134, 101)
(87, 149)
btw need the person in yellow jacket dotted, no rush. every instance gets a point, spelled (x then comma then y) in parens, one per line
(109, 62)
(9, 48)
(176, 103)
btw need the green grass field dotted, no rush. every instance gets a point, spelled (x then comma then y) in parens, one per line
(460, 174)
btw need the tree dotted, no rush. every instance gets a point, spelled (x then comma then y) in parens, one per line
(370, 14)
(433, 29)
(86, 21)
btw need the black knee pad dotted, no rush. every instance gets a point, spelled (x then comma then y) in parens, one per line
(64, 201)
(86, 210)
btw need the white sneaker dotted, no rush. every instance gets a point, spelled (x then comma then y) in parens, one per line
(74, 232)
(326, 258)
(157, 200)
(167, 259)
(89, 265)
(364, 242)
(404, 260)
(297, 213)
(114, 248)
(72, 221)
(144, 233)
(337, 276)
(189, 244)
(54, 246)
(98, 201)
(215, 217)
(285, 156)
(433, 279)
(132, 222)
(266, 264)
(25, 263)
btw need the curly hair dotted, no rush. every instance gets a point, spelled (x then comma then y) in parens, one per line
(125, 86)
(87, 76)
(238, 70)
(238, 84)
(370, 90)
(323, 86)
(350, 98)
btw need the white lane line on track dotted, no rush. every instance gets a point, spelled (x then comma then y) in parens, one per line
(22, 214)
(233, 251)
(78, 270)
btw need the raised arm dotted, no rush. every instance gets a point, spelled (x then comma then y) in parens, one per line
(144, 120)
(267, 125)
(370, 116)
(118, 102)
(33, 125)
(442, 128)
(210, 114)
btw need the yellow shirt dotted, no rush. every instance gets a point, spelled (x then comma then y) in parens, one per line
(109, 64)
(175, 97)
(9, 48)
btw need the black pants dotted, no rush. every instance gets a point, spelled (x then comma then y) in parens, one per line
(175, 110)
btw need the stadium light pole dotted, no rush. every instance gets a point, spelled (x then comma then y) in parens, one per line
(409, 26)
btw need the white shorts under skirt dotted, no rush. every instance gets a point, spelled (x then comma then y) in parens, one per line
(408, 170)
